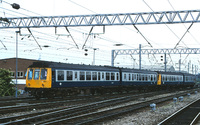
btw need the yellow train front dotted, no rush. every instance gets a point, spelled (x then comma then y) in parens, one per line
(38, 78)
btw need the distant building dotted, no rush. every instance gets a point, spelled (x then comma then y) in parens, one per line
(10, 64)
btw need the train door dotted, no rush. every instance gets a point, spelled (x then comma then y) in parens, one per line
(76, 76)
(159, 79)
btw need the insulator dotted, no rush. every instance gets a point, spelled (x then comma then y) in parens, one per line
(15, 6)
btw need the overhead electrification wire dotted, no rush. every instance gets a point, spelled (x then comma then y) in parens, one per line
(183, 36)
(3, 45)
(165, 24)
(81, 6)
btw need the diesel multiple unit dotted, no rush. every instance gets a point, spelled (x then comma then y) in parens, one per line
(49, 79)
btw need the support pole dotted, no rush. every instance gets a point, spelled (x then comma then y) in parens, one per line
(179, 65)
(165, 62)
(16, 73)
(140, 60)
(112, 58)
(189, 67)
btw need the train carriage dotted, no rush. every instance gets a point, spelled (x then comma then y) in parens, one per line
(188, 79)
(69, 77)
(170, 78)
(135, 77)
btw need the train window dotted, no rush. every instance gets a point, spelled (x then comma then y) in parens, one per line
(129, 77)
(165, 77)
(60, 75)
(36, 74)
(112, 76)
(82, 75)
(70, 75)
(88, 75)
(99, 76)
(132, 75)
(30, 74)
(107, 76)
(139, 77)
(124, 77)
(43, 74)
(143, 77)
(94, 75)
(135, 77)
(103, 75)
(117, 76)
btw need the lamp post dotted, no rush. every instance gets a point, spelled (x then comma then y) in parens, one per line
(16, 62)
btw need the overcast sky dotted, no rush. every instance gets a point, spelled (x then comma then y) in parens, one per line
(63, 49)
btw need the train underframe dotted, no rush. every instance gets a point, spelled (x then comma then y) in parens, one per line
(64, 92)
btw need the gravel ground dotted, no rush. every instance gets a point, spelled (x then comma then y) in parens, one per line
(149, 117)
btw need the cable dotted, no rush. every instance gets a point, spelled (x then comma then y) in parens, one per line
(165, 23)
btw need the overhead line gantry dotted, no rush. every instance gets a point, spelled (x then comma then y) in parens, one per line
(152, 51)
(163, 17)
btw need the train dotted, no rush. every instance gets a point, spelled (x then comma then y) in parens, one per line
(52, 79)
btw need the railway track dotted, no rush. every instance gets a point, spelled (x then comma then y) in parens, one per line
(188, 115)
(85, 113)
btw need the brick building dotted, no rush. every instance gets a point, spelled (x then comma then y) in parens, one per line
(10, 63)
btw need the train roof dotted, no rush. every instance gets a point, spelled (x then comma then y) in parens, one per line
(137, 71)
(57, 65)
(170, 73)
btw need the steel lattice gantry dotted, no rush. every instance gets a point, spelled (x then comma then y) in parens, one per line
(152, 51)
(164, 17)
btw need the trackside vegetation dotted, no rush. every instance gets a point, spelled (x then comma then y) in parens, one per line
(6, 84)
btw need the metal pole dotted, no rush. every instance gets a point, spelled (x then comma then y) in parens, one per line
(94, 56)
(140, 56)
(112, 58)
(192, 69)
(16, 73)
(165, 62)
(179, 65)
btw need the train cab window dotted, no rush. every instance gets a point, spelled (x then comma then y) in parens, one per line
(94, 75)
(60, 75)
(69, 75)
(36, 74)
(82, 75)
(30, 74)
(88, 75)
(112, 76)
(43, 74)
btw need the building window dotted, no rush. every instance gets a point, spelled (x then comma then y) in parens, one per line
(12, 74)
(20, 74)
